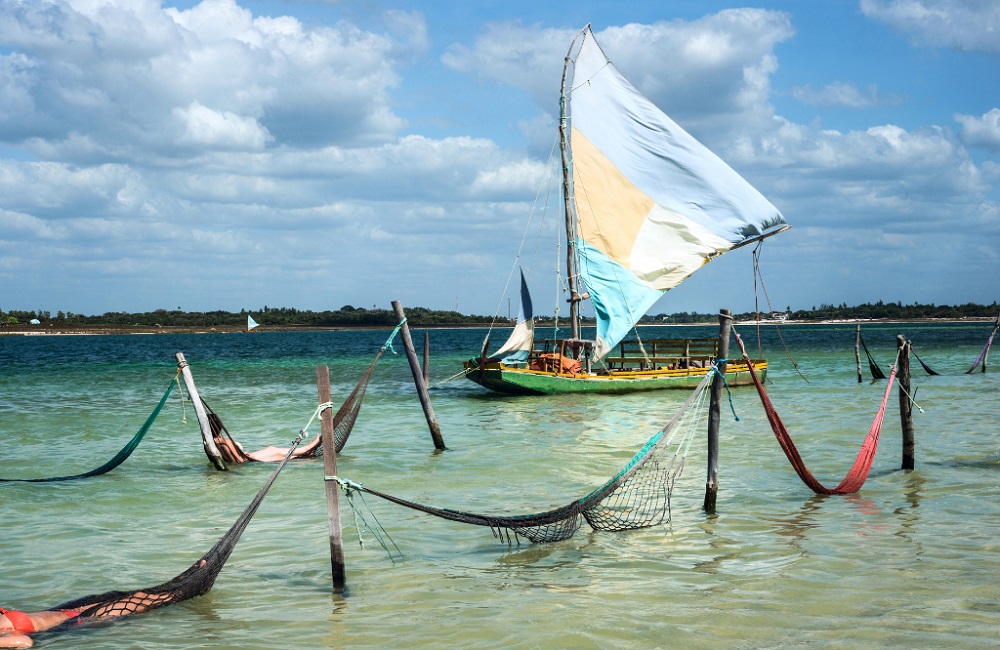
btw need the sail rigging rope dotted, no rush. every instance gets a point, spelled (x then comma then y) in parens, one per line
(545, 182)
(858, 473)
(637, 496)
(757, 274)
(119, 458)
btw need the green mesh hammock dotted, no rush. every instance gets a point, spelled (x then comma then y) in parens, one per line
(638, 496)
(119, 458)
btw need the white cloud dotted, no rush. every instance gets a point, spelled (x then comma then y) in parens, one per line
(203, 127)
(970, 25)
(839, 93)
(694, 70)
(187, 148)
(983, 131)
(119, 71)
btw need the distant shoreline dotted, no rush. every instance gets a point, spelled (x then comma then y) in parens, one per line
(52, 329)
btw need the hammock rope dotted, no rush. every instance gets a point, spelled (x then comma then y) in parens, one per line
(195, 581)
(118, 459)
(858, 473)
(638, 496)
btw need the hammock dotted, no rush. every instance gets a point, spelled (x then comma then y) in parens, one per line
(232, 451)
(196, 581)
(926, 368)
(343, 423)
(862, 464)
(637, 497)
(986, 349)
(119, 458)
(872, 366)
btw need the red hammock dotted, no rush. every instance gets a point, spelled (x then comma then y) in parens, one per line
(862, 464)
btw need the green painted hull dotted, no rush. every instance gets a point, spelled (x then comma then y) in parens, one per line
(517, 381)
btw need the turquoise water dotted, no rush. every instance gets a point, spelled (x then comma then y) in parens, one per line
(910, 561)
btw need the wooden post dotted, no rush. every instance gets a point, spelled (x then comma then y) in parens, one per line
(418, 378)
(211, 449)
(482, 357)
(986, 355)
(332, 489)
(427, 358)
(857, 351)
(905, 403)
(714, 411)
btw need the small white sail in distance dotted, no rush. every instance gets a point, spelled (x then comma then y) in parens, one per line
(251, 323)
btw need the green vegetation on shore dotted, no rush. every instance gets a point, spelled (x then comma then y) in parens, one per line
(349, 316)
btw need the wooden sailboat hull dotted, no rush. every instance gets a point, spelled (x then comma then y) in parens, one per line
(523, 381)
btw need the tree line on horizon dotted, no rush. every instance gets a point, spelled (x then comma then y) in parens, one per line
(349, 316)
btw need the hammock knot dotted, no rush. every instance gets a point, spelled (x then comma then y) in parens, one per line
(722, 375)
(347, 485)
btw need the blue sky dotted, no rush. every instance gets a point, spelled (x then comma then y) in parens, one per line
(231, 154)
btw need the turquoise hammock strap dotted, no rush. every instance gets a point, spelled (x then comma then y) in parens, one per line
(388, 341)
(722, 376)
(119, 457)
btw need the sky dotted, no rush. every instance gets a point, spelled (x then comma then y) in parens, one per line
(237, 154)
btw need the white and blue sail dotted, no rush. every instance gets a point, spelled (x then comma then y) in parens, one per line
(652, 204)
(251, 323)
(517, 347)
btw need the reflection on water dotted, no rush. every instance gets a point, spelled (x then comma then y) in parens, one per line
(910, 561)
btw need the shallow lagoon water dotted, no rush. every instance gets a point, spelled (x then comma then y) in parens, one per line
(909, 561)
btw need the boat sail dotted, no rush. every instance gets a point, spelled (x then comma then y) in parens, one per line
(645, 205)
(520, 343)
(251, 323)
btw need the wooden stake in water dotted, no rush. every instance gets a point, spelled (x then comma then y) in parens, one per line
(427, 358)
(905, 403)
(714, 411)
(332, 489)
(418, 378)
(986, 355)
(857, 351)
(211, 449)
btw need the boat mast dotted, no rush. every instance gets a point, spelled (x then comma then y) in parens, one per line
(574, 296)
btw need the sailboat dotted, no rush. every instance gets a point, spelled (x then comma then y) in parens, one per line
(645, 206)
(251, 323)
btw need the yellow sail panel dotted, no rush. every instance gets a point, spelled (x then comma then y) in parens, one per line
(610, 210)
(657, 245)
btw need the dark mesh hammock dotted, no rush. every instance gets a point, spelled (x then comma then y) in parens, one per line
(872, 366)
(637, 497)
(986, 349)
(232, 452)
(927, 369)
(195, 581)
(119, 458)
(343, 423)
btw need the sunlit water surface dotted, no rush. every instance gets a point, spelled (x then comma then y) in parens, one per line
(910, 561)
